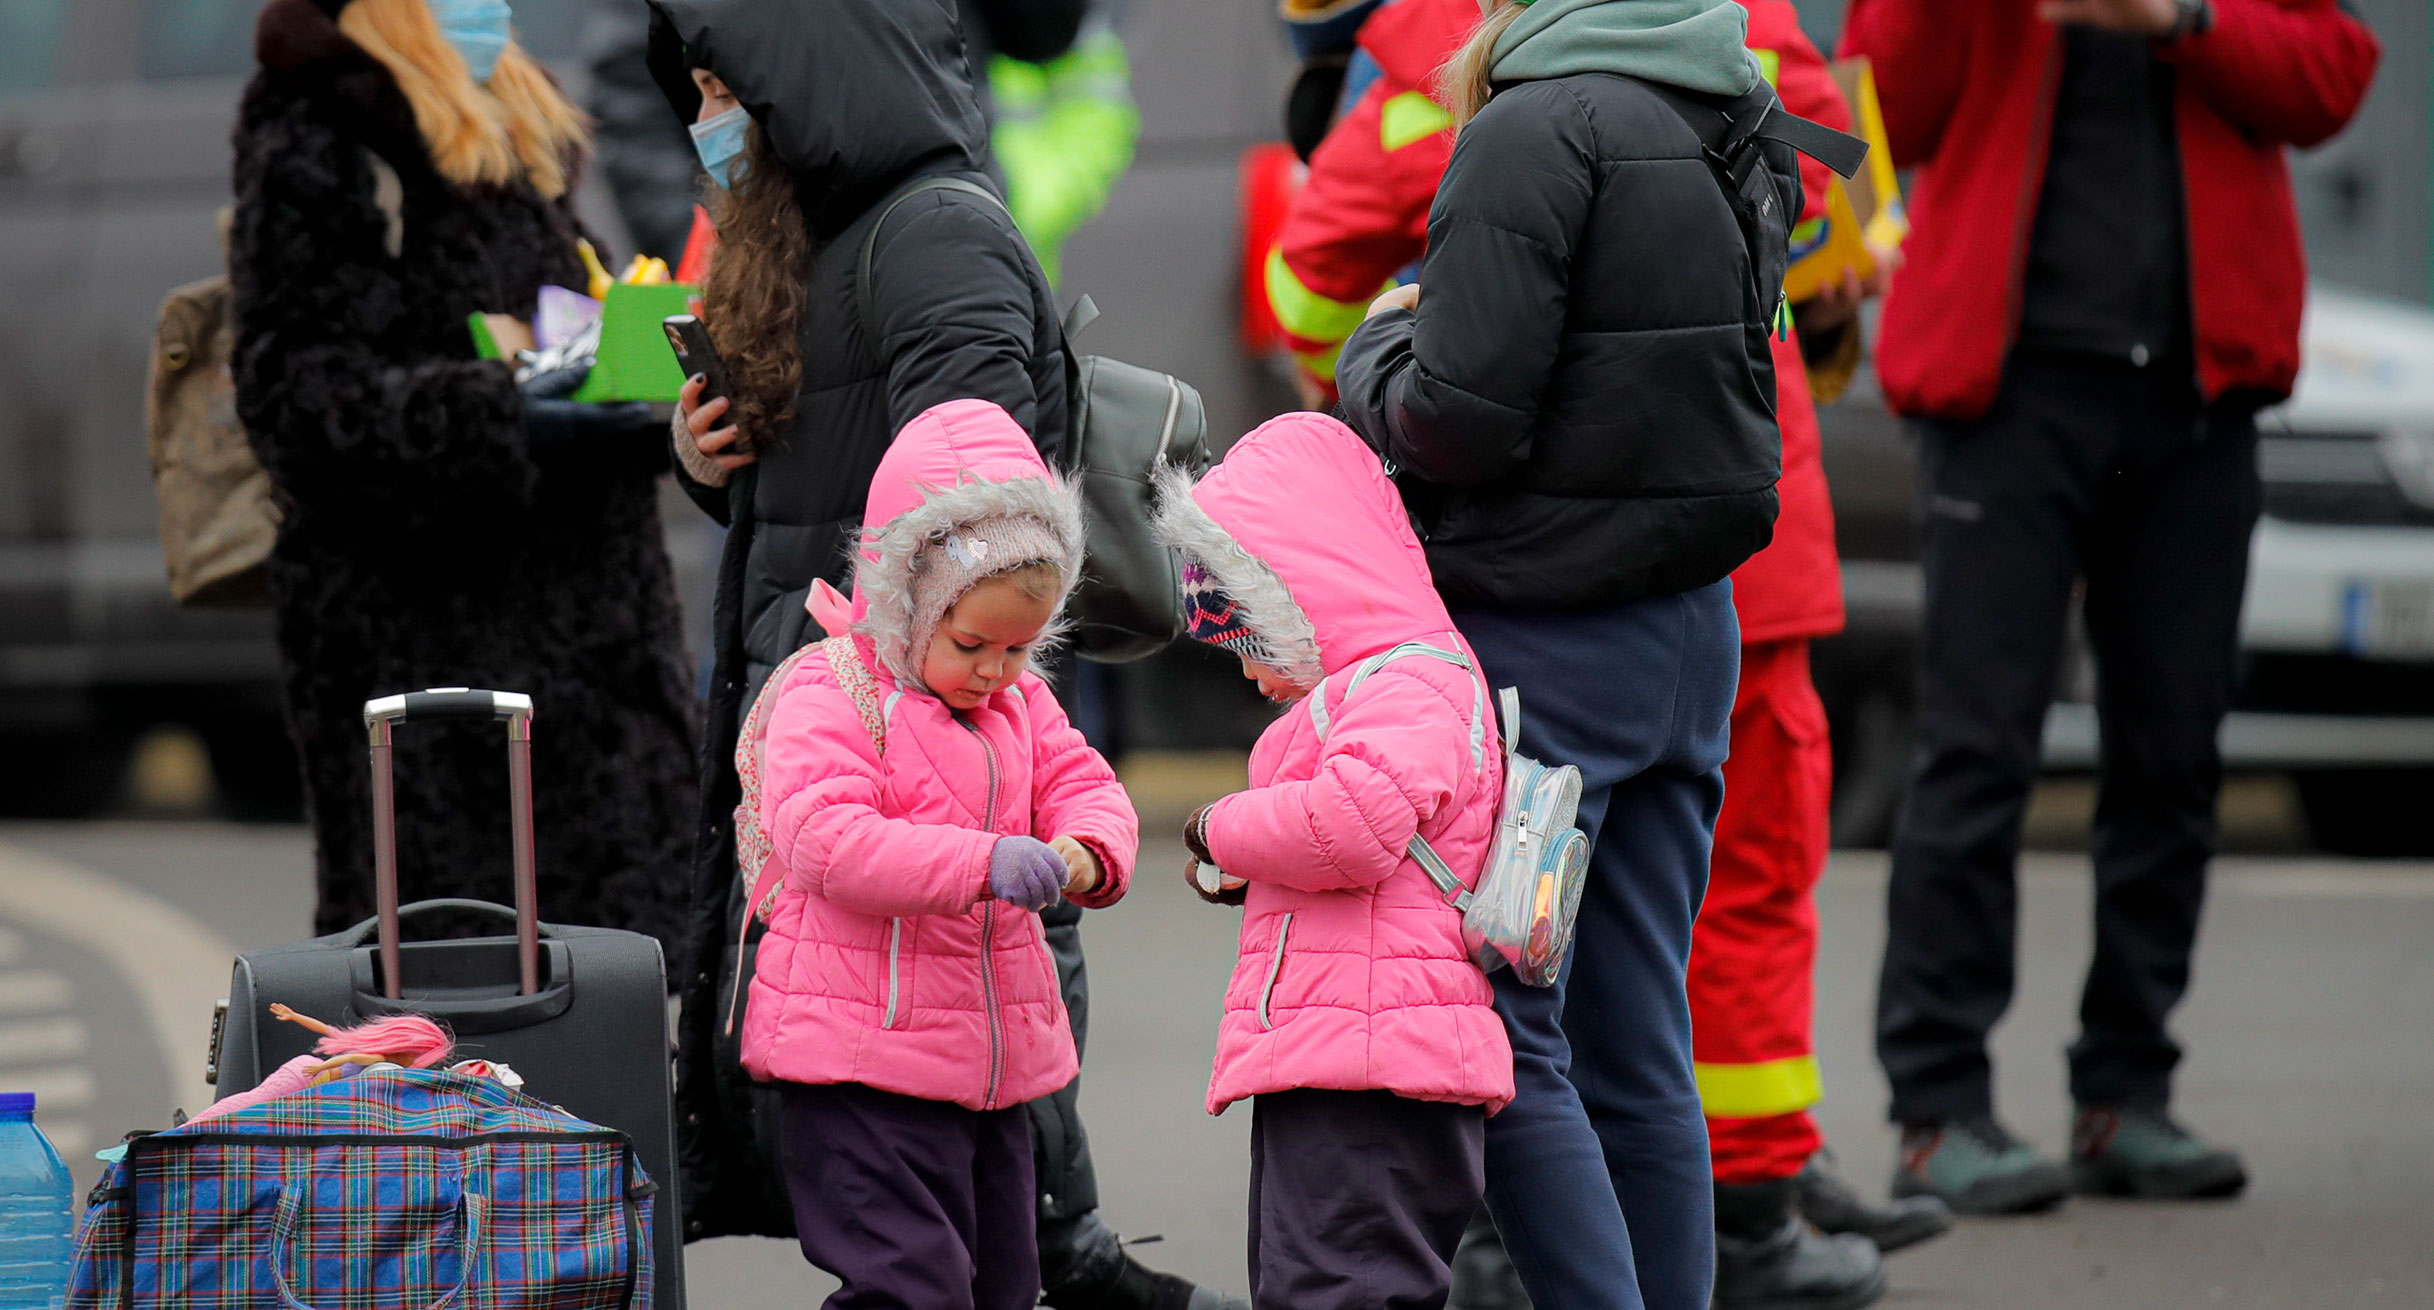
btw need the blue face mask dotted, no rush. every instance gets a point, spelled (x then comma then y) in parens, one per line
(478, 30)
(719, 140)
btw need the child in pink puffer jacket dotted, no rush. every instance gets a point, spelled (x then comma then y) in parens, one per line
(1355, 1021)
(923, 798)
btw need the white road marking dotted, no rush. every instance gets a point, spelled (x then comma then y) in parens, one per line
(29, 992)
(176, 967)
(2245, 877)
(2400, 882)
(41, 1039)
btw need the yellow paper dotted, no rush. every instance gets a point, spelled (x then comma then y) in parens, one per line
(1876, 194)
(1863, 214)
(1844, 250)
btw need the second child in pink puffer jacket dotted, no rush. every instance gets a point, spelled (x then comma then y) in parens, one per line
(1355, 1020)
(923, 798)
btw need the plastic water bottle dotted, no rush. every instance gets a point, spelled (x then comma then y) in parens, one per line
(37, 1230)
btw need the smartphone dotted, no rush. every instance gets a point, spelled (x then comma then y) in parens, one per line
(694, 354)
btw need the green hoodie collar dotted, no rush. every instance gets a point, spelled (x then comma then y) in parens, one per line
(1697, 45)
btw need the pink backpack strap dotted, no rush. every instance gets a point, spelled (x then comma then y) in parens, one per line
(753, 845)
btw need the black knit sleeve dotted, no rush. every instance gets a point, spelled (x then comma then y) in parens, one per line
(346, 423)
(1451, 390)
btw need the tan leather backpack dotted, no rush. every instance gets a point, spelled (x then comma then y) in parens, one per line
(217, 517)
(218, 520)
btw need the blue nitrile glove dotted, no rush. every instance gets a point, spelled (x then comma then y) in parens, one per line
(1026, 873)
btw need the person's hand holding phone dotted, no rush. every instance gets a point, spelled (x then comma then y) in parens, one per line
(700, 419)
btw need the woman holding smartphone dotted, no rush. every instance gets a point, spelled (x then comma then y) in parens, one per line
(401, 165)
(811, 134)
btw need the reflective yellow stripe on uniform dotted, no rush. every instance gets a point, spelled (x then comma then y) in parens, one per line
(1410, 117)
(1320, 364)
(1305, 313)
(1755, 1091)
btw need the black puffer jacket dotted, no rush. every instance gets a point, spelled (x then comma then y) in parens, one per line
(426, 541)
(858, 97)
(1583, 405)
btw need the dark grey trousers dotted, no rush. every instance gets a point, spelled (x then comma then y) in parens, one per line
(2085, 471)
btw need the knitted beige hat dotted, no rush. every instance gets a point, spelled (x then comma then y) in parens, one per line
(960, 558)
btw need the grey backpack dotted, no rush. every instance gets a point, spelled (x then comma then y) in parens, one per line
(1123, 421)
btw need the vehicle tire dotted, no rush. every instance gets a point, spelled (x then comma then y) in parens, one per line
(1871, 767)
(2369, 812)
(54, 775)
(254, 769)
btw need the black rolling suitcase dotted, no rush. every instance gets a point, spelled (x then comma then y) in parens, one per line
(580, 1013)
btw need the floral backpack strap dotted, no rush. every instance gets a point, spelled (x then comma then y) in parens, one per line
(753, 846)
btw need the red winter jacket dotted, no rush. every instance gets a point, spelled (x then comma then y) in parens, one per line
(1968, 96)
(1363, 215)
(1793, 588)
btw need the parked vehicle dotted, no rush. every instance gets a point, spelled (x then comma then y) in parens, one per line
(2338, 633)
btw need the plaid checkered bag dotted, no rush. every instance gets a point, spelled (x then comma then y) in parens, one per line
(395, 1189)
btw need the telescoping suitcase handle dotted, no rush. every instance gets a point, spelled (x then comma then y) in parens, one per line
(454, 703)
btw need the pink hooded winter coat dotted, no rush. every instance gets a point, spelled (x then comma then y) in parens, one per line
(1352, 973)
(886, 962)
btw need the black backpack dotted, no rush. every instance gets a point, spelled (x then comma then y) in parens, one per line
(1123, 422)
(1738, 135)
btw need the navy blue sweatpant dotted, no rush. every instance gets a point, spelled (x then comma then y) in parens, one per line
(913, 1204)
(1358, 1199)
(1597, 1173)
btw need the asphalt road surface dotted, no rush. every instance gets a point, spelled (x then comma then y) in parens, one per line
(2310, 1029)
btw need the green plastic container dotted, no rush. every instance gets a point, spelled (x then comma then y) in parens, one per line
(635, 362)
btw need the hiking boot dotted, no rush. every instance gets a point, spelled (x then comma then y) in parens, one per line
(2143, 1153)
(1087, 1267)
(1828, 1201)
(1767, 1258)
(1135, 1286)
(1976, 1167)
(1483, 1272)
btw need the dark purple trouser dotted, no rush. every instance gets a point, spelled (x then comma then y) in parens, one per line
(1358, 1199)
(916, 1205)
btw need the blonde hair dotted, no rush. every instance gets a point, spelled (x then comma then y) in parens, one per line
(518, 125)
(1465, 83)
(1041, 579)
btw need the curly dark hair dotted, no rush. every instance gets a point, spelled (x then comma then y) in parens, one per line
(752, 301)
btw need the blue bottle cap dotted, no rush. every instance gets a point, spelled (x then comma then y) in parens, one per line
(16, 1102)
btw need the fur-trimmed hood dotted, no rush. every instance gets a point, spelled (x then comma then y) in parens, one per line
(953, 466)
(1318, 598)
(855, 95)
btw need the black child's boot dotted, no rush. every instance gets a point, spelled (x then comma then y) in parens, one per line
(1768, 1258)
(1483, 1271)
(1085, 1267)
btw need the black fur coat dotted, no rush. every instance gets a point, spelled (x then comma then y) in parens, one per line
(426, 543)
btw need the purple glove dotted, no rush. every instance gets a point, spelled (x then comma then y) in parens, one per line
(1026, 873)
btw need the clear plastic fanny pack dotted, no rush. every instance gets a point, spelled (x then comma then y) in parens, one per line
(1522, 913)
